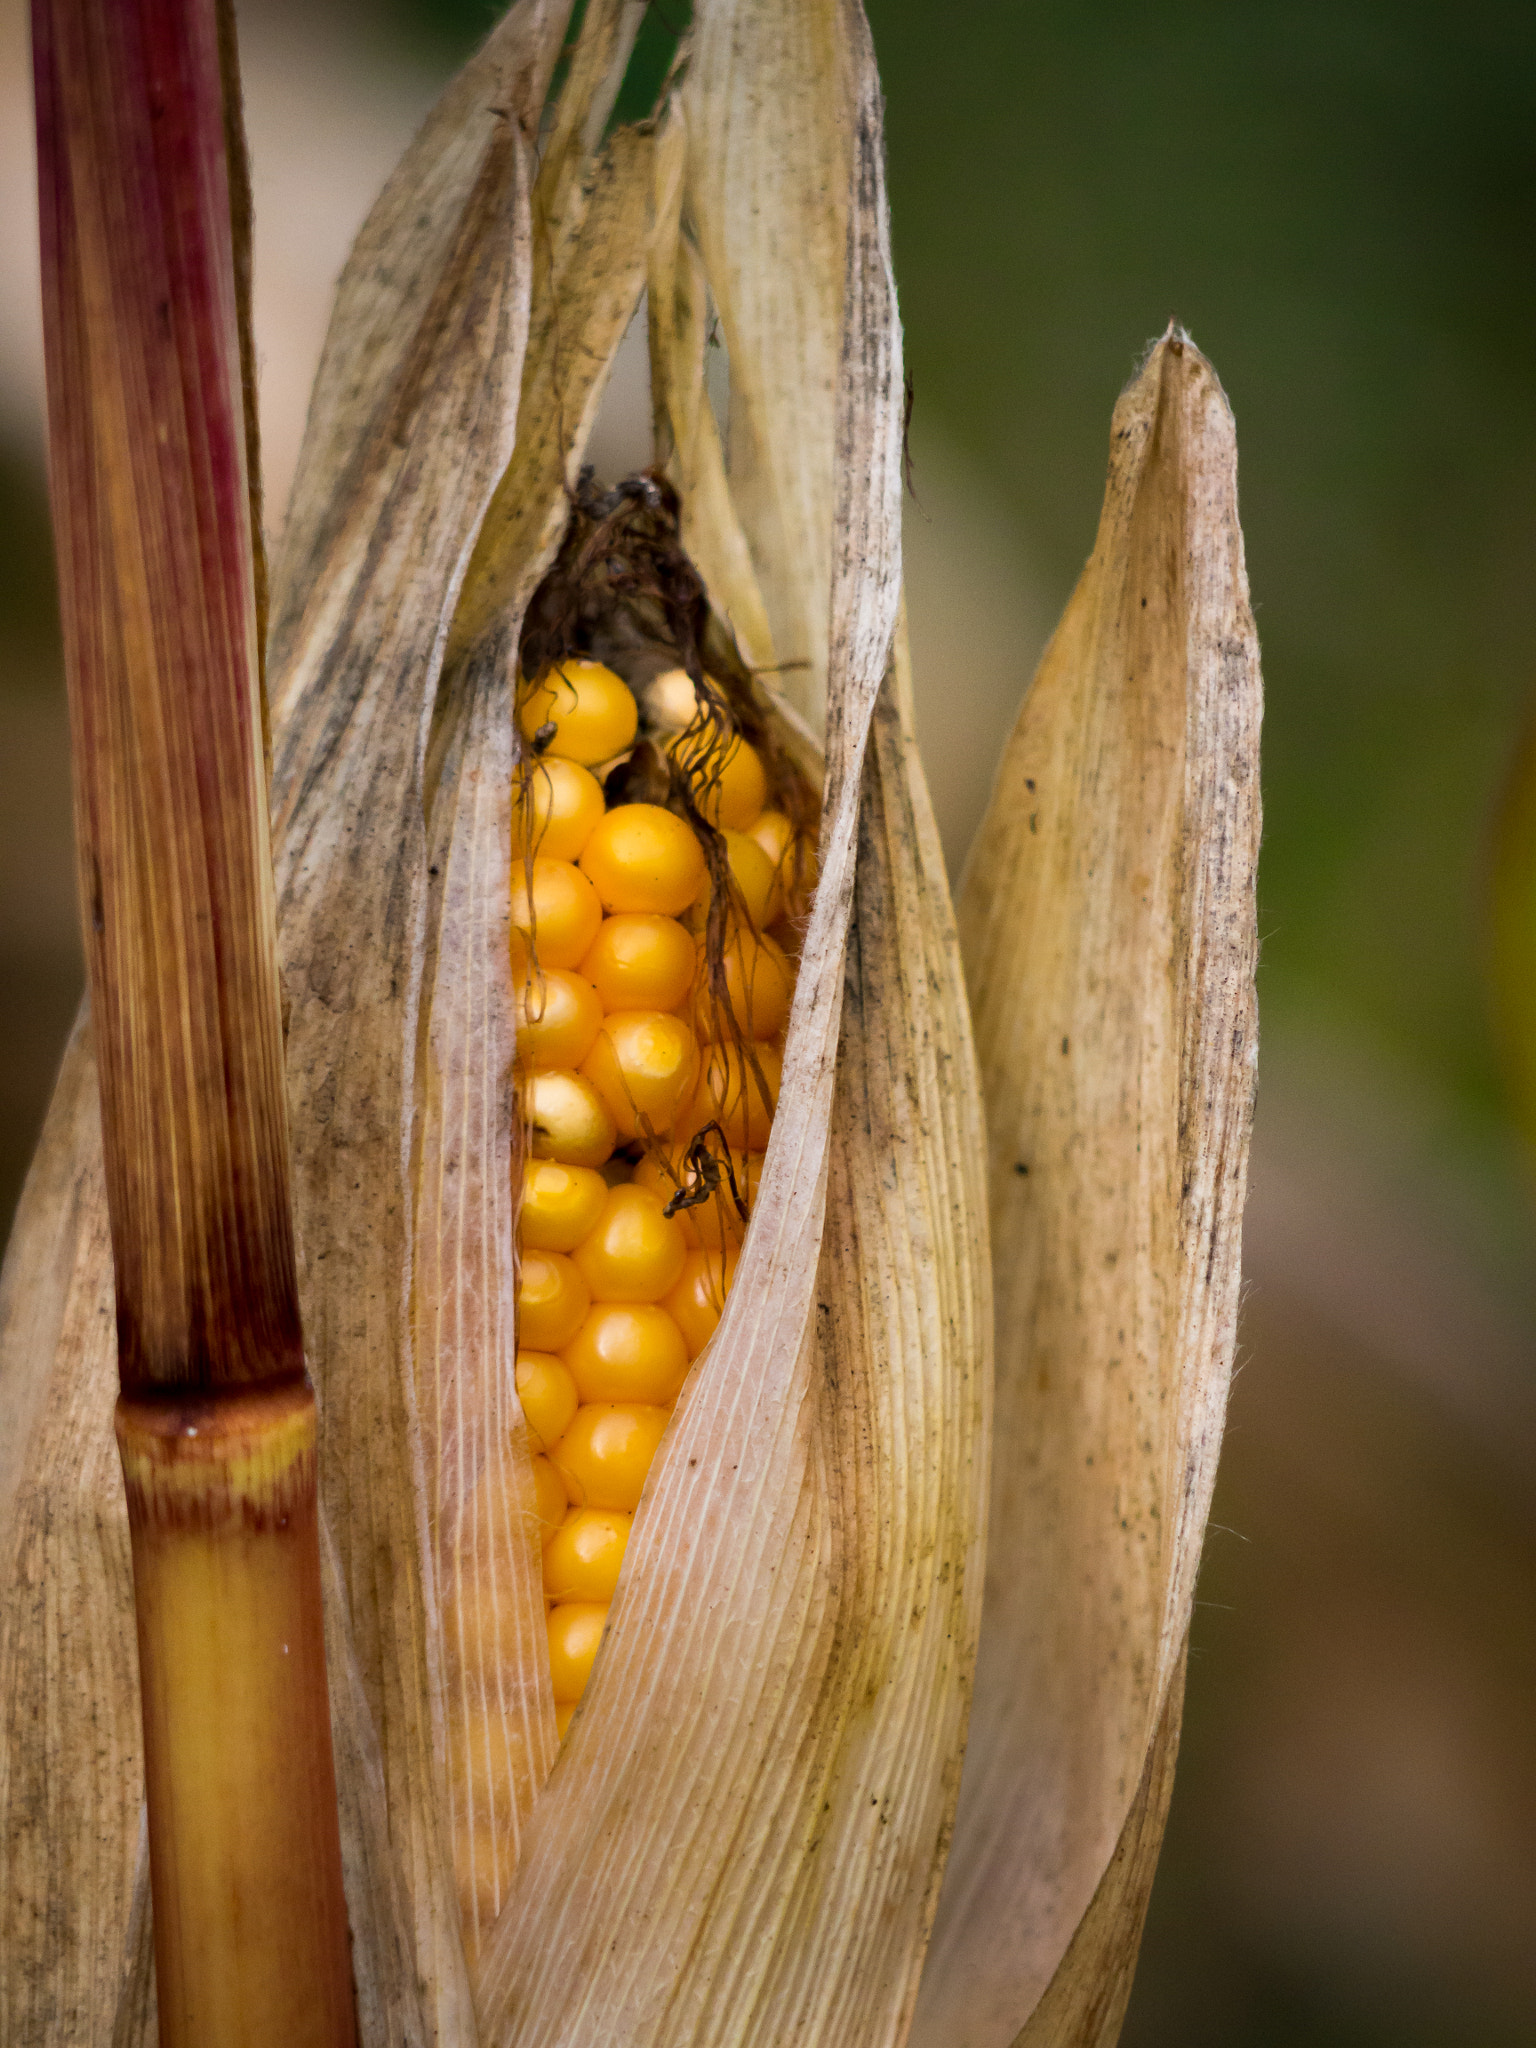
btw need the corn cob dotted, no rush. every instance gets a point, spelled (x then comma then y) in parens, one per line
(660, 877)
(650, 1041)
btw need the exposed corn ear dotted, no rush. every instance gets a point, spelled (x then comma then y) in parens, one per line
(1108, 924)
(789, 1650)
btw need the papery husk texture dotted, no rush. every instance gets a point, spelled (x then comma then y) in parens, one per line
(1107, 918)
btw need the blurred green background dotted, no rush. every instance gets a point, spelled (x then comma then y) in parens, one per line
(1339, 202)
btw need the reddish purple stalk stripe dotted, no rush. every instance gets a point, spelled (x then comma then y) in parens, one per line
(151, 510)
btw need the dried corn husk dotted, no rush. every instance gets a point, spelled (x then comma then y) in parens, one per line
(1108, 923)
(743, 1838)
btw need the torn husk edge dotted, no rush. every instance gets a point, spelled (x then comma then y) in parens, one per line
(1108, 922)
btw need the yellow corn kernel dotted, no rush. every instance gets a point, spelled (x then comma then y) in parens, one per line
(548, 1394)
(775, 834)
(671, 701)
(605, 1454)
(730, 789)
(752, 875)
(556, 810)
(731, 1094)
(592, 711)
(640, 857)
(556, 907)
(559, 1015)
(640, 961)
(607, 1052)
(627, 1351)
(582, 1559)
(552, 1301)
(697, 1302)
(561, 1205)
(575, 1630)
(567, 1118)
(634, 1253)
(645, 1065)
(759, 984)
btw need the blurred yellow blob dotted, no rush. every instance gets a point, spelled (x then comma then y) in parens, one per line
(794, 865)
(671, 701)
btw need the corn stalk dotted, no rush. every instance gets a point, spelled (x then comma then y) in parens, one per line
(215, 1425)
(745, 1836)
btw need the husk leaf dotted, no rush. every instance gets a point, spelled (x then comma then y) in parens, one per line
(71, 1741)
(772, 98)
(1108, 924)
(686, 433)
(415, 413)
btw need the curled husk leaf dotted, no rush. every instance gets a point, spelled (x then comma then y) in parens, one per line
(1107, 917)
(744, 1836)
